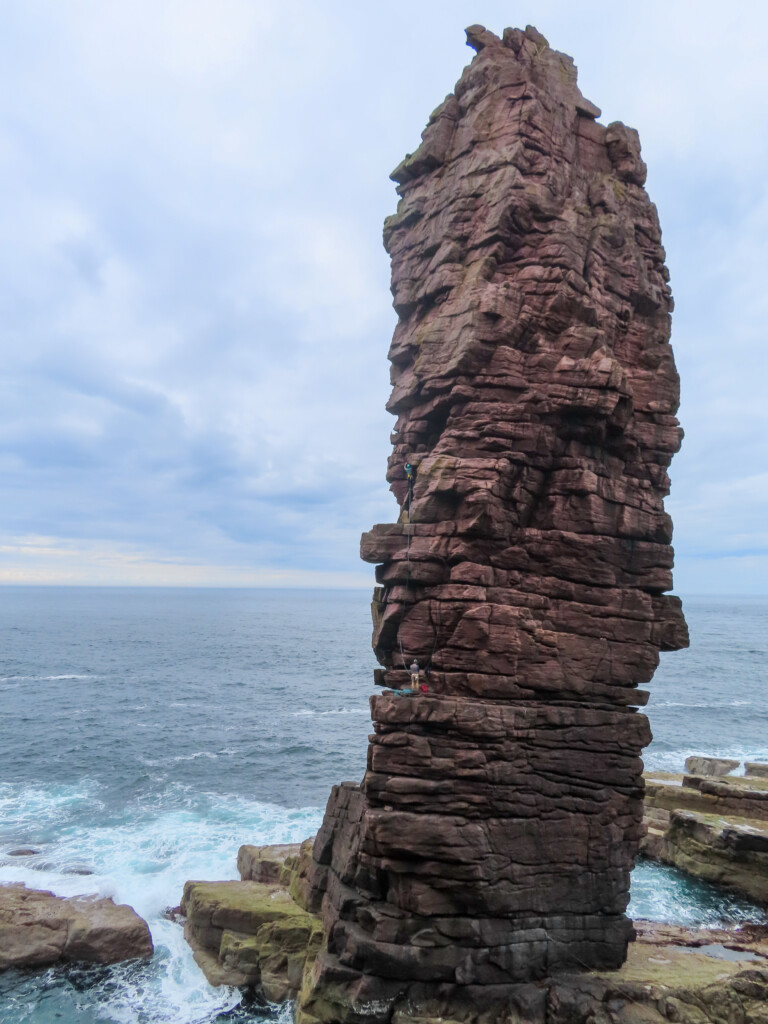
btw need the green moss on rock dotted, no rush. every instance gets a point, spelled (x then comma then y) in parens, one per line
(256, 933)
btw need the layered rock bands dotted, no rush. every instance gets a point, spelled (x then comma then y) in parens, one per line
(711, 824)
(535, 392)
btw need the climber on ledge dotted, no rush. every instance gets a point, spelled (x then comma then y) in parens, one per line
(409, 474)
(416, 686)
(415, 675)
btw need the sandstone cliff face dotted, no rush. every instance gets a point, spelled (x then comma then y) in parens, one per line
(535, 392)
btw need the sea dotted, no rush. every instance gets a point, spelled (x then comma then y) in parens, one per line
(145, 734)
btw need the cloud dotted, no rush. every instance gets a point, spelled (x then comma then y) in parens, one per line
(50, 561)
(195, 310)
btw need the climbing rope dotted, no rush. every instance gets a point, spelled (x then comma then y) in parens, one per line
(409, 473)
(409, 476)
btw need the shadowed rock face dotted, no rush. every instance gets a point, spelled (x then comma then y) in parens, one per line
(535, 392)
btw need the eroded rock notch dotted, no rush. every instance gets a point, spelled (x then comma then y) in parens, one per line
(535, 392)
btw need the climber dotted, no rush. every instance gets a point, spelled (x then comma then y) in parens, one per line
(415, 676)
(409, 473)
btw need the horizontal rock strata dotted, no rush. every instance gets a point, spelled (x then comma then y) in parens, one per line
(724, 796)
(672, 973)
(535, 392)
(38, 929)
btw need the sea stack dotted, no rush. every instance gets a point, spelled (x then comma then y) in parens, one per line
(492, 837)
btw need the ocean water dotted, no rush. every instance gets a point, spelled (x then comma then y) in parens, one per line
(146, 734)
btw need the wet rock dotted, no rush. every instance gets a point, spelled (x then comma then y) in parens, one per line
(38, 929)
(174, 914)
(756, 769)
(23, 851)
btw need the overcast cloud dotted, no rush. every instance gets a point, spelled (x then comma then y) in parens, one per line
(194, 300)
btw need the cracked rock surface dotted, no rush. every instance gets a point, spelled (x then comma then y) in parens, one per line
(535, 391)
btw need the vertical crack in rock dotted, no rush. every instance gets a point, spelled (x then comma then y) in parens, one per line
(535, 391)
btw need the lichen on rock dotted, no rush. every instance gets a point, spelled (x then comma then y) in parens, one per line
(250, 934)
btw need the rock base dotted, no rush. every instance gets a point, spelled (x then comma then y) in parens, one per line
(38, 929)
(252, 933)
(671, 974)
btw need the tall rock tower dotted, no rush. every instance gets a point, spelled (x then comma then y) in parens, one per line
(492, 838)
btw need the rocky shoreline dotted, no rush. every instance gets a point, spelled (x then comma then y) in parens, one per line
(712, 824)
(264, 934)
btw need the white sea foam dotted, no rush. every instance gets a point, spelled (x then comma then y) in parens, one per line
(43, 679)
(708, 705)
(309, 713)
(674, 760)
(39, 809)
(194, 757)
(143, 860)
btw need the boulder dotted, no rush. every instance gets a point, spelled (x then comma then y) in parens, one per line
(756, 769)
(726, 796)
(720, 797)
(710, 765)
(266, 863)
(38, 929)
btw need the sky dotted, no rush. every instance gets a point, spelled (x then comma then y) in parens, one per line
(194, 299)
